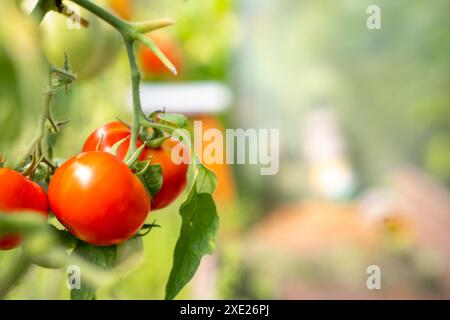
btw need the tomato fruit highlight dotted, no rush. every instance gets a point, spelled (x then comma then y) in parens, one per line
(98, 198)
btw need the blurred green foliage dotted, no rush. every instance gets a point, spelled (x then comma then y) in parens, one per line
(90, 50)
(206, 31)
(22, 79)
(388, 87)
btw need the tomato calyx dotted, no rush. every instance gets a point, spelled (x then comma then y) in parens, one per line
(135, 157)
(145, 168)
(149, 174)
(156, 143)
(159, 135)
(163, 126)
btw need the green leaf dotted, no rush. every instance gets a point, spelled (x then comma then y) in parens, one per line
(179, 120)
(151, 178)
(199, 226)
(102, 257)
(206, 179)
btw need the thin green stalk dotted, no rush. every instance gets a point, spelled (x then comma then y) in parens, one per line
(118, 23)
(137, 109)
(131, 32)
(39, 132)
(151, 124)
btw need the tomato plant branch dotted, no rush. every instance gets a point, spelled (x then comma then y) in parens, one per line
(149, 123)
(104, 14)
(32, 149)
(137, 109)
(37, 148)
(147, 26)
(132, 32)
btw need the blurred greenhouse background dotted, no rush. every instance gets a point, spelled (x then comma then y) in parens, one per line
(364, 121)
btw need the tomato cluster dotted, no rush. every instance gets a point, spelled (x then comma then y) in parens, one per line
(174, 175)
(95, 194)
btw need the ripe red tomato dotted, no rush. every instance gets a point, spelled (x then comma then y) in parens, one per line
(108, 135)
(19, 193)
(98, 199)
(174, 175)
(151, 65)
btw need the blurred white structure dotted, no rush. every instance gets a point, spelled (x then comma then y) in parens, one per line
(207, 97)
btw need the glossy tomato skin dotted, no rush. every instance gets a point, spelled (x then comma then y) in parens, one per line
(98, 199)
(174, 175)
(108, 135)
(19, 193)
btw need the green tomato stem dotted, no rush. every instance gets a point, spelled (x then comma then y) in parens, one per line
(130, 33)
(119, 24)
(40, 132)
(137, 109)
(151, 124)
(147, 26)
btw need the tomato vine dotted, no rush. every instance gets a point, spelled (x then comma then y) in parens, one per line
(46, 246)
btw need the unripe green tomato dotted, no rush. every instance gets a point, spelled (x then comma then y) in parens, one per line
(90, 49)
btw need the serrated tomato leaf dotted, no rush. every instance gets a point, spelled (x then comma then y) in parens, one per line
(102, 257)
(151, 178)
(199, 226)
